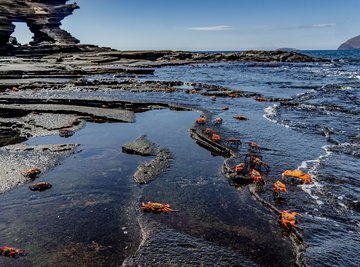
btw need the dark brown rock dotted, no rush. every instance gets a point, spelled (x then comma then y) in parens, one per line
(43, 18)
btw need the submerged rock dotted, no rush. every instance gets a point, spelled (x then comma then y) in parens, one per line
(141, 146)
(163, 246)
(148, 171)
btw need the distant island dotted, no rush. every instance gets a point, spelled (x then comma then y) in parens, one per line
(353, 43)
(287, 49)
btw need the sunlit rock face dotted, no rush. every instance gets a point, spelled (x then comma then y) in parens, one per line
(43, 17)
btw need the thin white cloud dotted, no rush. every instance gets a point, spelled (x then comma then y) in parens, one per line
(313, 26)
(323, 25)
(211, 28)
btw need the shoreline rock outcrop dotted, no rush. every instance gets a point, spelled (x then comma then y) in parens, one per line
(43, 17)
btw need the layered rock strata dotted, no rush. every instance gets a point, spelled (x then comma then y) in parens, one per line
(43, 17)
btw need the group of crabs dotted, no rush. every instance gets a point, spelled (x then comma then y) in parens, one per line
(252, 167)
(31, 173)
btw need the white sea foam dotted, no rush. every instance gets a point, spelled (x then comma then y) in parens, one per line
(311, 166)
(270, 115)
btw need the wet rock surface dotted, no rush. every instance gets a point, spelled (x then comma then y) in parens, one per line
(141, 146)
(149, 170)
(163, 246)
(16, 158)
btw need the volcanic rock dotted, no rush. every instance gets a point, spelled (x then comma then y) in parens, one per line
(149, 170)
(353, 43)
(43, 17)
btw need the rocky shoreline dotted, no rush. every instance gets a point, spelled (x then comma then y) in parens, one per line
(31, 105)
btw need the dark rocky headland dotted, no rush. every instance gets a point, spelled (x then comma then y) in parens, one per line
(353, 43)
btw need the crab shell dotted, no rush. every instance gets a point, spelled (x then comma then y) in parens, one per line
(40, 186)
(32, 172)
(156, 207)
(201, 121)
(215, 138)
(11, 252)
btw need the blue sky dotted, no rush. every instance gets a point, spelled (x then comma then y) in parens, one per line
(212, 24)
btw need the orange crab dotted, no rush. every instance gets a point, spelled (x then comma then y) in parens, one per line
(297, 174)
(240, 168)
(200, 120)
(233, 95)
(31, 173)
(40, 186)
(240, 118)
(215, 138)
(11, 252)
(257, 163)
(278, 188)
(261, 99)
(209, 131)
(254, 147)
(287, 218)
(156, 207)
(256, 176)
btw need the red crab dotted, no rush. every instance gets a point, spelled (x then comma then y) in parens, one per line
(156, 207)
(215, 138)
(297, 174)
(278, 187)
(240, 118)
(254, 147)
(209, 131)
(40, 186)
(256, 176)
(11, 252)
(200, 120)
(287, 219)
(31, 173)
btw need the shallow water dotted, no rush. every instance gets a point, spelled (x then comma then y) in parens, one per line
(89, 216)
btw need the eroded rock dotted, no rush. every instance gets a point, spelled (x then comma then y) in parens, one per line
(141, 146)
(149, 170)
(43, 17)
